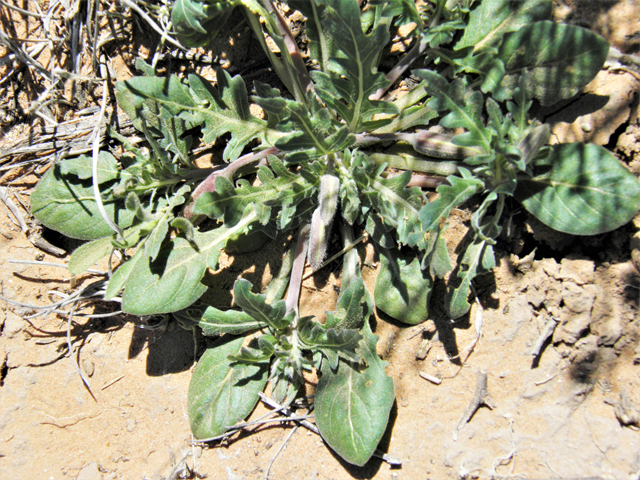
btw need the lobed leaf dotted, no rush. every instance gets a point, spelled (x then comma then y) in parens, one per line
(333, 344)
(256, 306)
(463, 112)
(397, 205)
(197, 23)
(351, 74)
(172, 281)
(478, 258)
(450, 196)
(220, 110)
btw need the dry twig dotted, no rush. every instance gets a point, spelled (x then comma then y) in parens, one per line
(480, 397)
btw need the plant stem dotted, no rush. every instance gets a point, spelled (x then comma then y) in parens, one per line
(209, 183)
(397, 71)
(433, 144)
(293, 295)
(417, 164)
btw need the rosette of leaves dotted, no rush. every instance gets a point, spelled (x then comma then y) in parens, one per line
(319, 161)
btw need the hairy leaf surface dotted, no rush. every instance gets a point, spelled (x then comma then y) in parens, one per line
(581, 189)
(492, 19)
(221, 395)
(255, 305)
(67, 205)
(218, 110)
(352, 406)
(173, 281)
(478, 258)
(463, 112)
(352, 74)
(557, 60)
(403, 288)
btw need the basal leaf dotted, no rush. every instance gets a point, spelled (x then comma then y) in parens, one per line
(256, 306)
(173, 281)
(352, 405)
(404, 11)
(310, 130)
(221, 395)
(215, 322)
(352, 307)
(120, 276)
(492, 19)
(82, 167)
(352, 75)
(320, 42)
(230, 203)
(580, 189)
(557, 60)
(66, 204)
(436, 257)
(220, 110)
(463, 112)
(397, 205)
(478, 258)
(197, 23)
(333, 343)
(402, 288)
(450, 196)
(88, 254)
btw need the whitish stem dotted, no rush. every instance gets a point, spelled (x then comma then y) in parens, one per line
(95, 154)
(293, 295)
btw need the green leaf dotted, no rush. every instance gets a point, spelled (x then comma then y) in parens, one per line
(88, 254)
(82, 167)
(331, 342)
(478, 258)
(405, 11)
(557, 60)
(120, 276)
(352, 406)
(492, 19)
(197, 23)
(397, 205)
(221, 395)
(352, 306)
(580, 189)
(218, 322)
(402, 288)
(465, 112)
(230, 203)
(352, 75)
(255, 305)
(220, 110)
(450, 196)
(64, 203)
(310, 130)
(436, 257)
(173, 280)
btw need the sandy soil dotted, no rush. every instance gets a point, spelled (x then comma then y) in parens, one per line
(571, 412)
